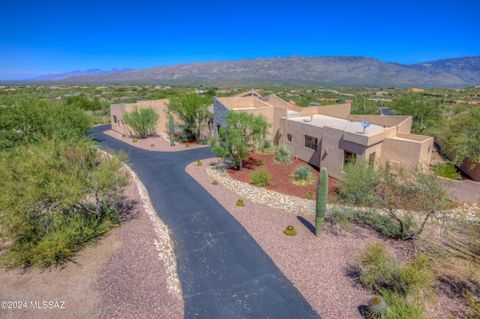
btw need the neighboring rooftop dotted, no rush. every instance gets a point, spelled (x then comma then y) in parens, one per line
(338, 123)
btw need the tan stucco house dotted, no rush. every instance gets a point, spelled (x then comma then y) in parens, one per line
(329, 136)
(117, 111)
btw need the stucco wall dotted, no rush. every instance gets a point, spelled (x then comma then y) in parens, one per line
(119, 110)
(335, 110)
(409, 154)
(402, 122)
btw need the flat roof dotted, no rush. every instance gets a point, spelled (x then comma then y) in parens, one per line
(338, 123)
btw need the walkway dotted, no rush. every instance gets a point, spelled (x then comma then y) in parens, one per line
(223, 271)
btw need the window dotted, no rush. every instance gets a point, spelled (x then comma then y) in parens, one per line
(371, 159)
(311, 142)
(349, 158)
(289, 137)
(114, 119)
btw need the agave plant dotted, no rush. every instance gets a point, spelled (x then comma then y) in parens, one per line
(376, 307)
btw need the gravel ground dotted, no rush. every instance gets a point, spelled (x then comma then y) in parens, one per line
(316, 266)
(122, 276)
(282, 175)
(159, 143)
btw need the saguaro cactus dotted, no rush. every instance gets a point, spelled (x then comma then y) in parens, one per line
(321, 205)
(171, 128)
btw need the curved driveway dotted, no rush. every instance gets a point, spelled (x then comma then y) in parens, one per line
(224, 273)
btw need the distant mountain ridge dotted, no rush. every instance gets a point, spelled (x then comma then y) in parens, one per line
(295, 70)
(76, 73)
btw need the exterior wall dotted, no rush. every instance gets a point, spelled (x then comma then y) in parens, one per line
(119, 110)
(297, 145)
(405, 153)
(403, 123)
(335, 110)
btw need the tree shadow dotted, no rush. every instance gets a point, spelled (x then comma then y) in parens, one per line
(307, 224)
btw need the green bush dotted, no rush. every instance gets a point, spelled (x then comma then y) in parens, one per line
(398, 307)
(379, 272)
(359, 186)
(30, 121)
(283, 155)
(267, 147)
(56, 197)
(142, 121)
(447, 171)
(303, 174)
(261, 178)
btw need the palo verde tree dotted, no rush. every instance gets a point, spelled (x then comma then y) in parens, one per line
(142, 121)
(193, 110)
(409, 199)
(242, 133)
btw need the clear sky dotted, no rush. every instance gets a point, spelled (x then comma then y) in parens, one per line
(38, 37)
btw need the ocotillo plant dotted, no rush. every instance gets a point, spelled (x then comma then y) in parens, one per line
(321, 206)
(171, 127)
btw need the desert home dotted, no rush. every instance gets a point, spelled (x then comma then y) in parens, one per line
(117, 111)
(329, 136)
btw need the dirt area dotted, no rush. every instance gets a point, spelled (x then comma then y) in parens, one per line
(318, 267)
(282, 176)
(153, 143)
(119, 277)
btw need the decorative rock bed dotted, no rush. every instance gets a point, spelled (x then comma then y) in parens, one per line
(297, 205)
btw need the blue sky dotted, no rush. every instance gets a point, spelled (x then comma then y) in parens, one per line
(38, 37)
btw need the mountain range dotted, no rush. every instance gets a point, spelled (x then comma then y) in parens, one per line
(295, 70)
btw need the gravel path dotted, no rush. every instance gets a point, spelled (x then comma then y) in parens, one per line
(316, 266)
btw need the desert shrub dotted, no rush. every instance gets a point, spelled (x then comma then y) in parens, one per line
(56, 197)
(198, 163)
(30, 121)
(267, 147)
(303, 174)
(447, 171)
(260, 163)
(359, 186)
(214, 182)
(378, 272)
(411, 190)
(203, 141)
(398, 307)
(309, 195)
(142, 121)
(283, 155)
(240, 202)
(261, 178)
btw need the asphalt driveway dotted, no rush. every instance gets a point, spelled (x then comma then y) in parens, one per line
(224, 273)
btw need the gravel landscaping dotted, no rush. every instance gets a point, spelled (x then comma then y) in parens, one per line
(282, 176)
(154, 143)
(318, 267)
